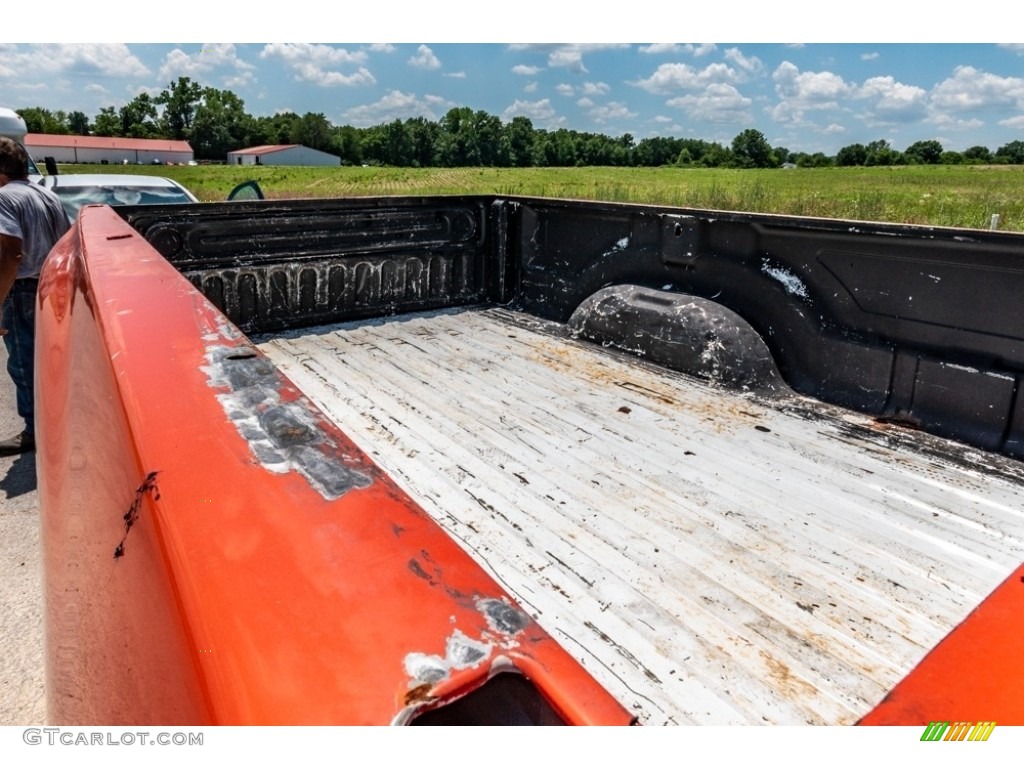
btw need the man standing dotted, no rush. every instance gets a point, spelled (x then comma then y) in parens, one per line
(32, 220)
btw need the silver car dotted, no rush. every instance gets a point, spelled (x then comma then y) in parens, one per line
(78, 189)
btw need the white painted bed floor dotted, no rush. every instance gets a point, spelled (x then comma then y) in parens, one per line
(711, 557)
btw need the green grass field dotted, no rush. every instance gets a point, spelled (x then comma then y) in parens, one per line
(956, 196)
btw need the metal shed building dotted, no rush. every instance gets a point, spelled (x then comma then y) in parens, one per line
(282, 154)
(104, 149)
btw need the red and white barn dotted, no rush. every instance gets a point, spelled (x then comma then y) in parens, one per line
(106, 149)
(282, 154)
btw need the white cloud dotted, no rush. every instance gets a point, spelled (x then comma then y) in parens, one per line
(206, 60)
(396, 105)
(718, 103)
(613, 110)
(702, 50)
(948, 122)
(526, 70)
(566, 56)
(564, 89)
(595, 89)
(670, 78)
(569, 58)
(661, 49)
(456, 75)
(28, 63)
(381, 48)
(892, 101)
(540, 112)
(970, 89)
(424, 59)
(751, 65)
(802, 92)
(530, 87)
(869, 56)
(323, 55)
(320, 64)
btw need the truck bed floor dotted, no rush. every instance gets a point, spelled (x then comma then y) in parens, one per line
(710, 556)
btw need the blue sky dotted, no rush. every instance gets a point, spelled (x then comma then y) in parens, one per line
(815, 96)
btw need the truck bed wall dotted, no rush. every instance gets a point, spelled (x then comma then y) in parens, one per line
(915, 324)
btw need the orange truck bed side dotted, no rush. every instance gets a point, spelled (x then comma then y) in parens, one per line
(264, 569)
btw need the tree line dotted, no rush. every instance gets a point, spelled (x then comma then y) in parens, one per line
(215, 122)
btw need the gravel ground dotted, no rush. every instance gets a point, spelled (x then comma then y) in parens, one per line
(22, 695)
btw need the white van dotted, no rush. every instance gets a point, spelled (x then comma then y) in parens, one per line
(13, 127)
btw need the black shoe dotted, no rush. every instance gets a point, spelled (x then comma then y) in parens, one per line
(22, 443)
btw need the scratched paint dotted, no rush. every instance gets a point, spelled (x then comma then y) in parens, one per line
(283, 436)
(793, 284)
(505, 622)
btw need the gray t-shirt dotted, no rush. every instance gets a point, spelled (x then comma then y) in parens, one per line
(36, 217)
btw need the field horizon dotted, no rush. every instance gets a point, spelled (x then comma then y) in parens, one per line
(934, 195)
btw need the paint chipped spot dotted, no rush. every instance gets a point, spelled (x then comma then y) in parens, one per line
(461, 652)
(620, 245)
(283, 436)
(502, 616)
(793, 284)
(426, 669)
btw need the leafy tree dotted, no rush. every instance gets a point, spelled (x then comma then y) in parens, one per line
(488, 137)
(816, 160)
(457, 142)
(107, 123)
(1012, 153)
(40, 120)
(423, 138)
(396, 147)
(852, 154)
(516, 143)
(78, 123)
(880, 153)
(312, 130)
(716, 156)
(750, 149)
(277, 129)
(220, 125)
(656, 151)
(180, 101)
(977, 154)
(348, 144)
(138, 118)
(924, 152)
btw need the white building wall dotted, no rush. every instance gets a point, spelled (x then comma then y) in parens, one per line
(290, 156)
(111, 155)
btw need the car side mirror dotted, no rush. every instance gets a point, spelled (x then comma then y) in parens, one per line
(247, 190)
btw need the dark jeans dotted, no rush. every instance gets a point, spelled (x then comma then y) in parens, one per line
(19, 318)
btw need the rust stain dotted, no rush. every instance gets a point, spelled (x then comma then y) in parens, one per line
(419, 695)
(791, 686)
